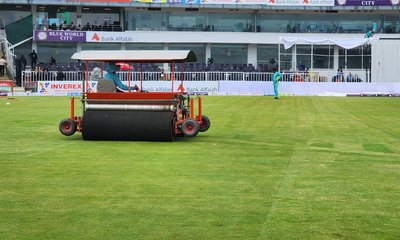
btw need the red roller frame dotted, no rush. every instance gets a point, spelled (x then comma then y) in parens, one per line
(137, 96)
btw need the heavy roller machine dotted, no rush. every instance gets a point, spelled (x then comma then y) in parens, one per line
(135, 115)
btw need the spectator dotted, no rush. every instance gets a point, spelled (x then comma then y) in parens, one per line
(45, 74)
(3, 63)
(370, 33)
(350, 78)
(64, 26)
(60, 75)
(163, 75)
(87, 27)
(72, 26)
(23, 62)
(339, 75)
(34, 58)
(95, 74)
(307, 77)
(18, 69)
(38, 73)
(356, 78)
(79, 28)
(52, 61)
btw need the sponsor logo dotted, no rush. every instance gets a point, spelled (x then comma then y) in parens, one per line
(96, 37)
(43, 88)
(42, 36)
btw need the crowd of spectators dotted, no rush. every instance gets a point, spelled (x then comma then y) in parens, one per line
(64, 26)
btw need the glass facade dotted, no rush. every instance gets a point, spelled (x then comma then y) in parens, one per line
(100, 16)
(356, 58)
(198, 49)
(322, 56)
(62, 52)
(146, 20)
(101, 46)
(231, 22)
(229, 53)
(267, 53)
(53, 17)
(285, 58)
(144, 46)
(303, 57)
(186, 21)
(270, 21)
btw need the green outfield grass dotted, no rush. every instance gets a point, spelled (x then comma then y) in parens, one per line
(297, 168)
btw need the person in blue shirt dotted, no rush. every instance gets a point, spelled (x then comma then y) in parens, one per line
(369, 34)
(111, 75)
(275, 79)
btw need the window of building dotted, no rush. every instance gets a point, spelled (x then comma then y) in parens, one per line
(359, 57)
(229, 53)
(285, 58)
(275, 23)
(186, 21)
(198, 49)
(391, 24)
(303, 57)
(322, 56)
(62, 52)
(52, 17)
(101, 46)
(100, 16)
(267, 55)
(146, 20)
(232, 22)
(144, 46)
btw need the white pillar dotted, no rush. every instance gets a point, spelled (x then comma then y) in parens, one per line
(208, 51)
(34, 17)
(252, 54)
(166, 65)
(294, 58)
(335, 57)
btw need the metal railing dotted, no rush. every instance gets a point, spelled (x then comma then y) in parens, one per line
(30, 78)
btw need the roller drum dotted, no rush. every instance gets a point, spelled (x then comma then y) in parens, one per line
(128, 125)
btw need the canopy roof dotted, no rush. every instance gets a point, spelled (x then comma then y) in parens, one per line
(156, 56)
(346, 43)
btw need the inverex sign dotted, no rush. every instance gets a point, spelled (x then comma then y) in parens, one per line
(63, 88)
(74, 88)
(109, 37)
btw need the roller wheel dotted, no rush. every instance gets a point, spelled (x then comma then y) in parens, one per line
(205, 125)
(67, 127)
(190, 128)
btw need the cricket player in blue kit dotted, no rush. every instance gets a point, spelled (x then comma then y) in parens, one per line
(276, 78)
